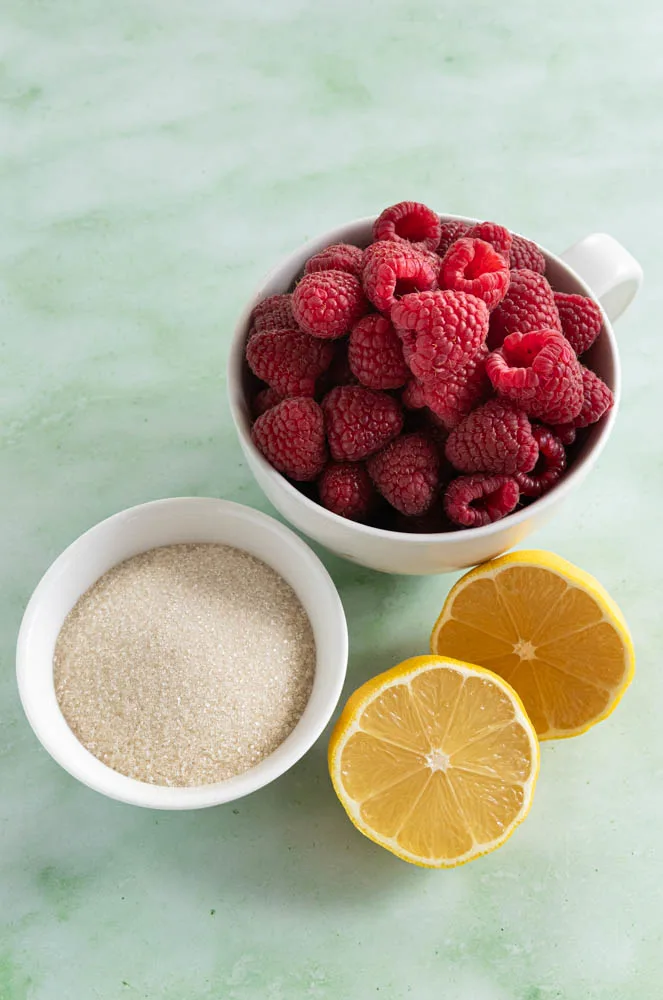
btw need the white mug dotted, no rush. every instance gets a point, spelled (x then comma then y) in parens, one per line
(598, 266)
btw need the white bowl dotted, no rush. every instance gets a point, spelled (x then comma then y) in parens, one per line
(615, 278)
(168, 522)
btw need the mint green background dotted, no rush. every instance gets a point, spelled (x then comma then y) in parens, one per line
(157, 158)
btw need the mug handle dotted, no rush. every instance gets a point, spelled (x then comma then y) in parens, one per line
(611, 272)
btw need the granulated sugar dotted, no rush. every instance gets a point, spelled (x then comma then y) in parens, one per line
(185, 665)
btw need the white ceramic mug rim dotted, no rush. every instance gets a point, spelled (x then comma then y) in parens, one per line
(420, 540)
(130, 790)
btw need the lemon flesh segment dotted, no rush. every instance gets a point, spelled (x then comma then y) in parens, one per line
(435, 760)
(549, 629)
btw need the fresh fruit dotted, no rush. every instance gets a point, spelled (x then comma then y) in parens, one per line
(490, 232)
(528, 305)
(291, 436)
(327, 303)
(597, 399)
(474, 501)
(496, 437)
(455, 394)
(265, 400)
(525, 254)
(449, 233)
(581, 320)
(273, 313)
(375, 354)
(435, 760)
(337, 257)
(406, 473)
(289, 360)
(391, 270)
(359, 421)
(549, 629)
(475, 267)
(406, 322)
(540, 373)
(441, 331)
(410, 222)
(346, 489)
(549, 467)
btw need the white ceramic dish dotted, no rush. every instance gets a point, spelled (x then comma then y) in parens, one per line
(597, 265)
(167, 522)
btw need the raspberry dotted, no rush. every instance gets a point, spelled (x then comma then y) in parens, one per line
(291, 436)
(406, 473)
(540, 372)
(474, 501)
(496, 437)
(375, 354)
(452, 396)
(529, 305)
(265, 400)
(498, 237)
(337, 257)
(441, 331)
(597, 399)
(450, 232)
(409, 222)
(549, 467)
(412, 396)
(327, 303)
(473, 266)
(525, 254)
(581, 320)
(346, 489)
(273, 313)
(288, 360)
(392, 270)
(566, 434)
(359, 421)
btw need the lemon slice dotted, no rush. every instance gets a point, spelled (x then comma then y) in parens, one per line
(435, 760)
(547, 628)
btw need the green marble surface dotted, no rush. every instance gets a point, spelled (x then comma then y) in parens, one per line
(157, 158)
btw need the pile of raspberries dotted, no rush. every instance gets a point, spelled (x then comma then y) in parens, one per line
(435, 370)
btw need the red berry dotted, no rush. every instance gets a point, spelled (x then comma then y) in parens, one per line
(291, 436)
(549, 467)
(498, 237)
(392, 270)
(289, 360)
(473, 266)
(597, 399)
(273, 313)
(346, 489)
(265, 400)
(375, 354)
(441, 331)
(411, 222)
(540, 373)
(566, 434)
(337, 257)
(454, 394)
(406, 473)
(581, 320)
(327, 303)
(359, 421)
(412, 396)
(496, 437)
(525, 254)
(473, 501)
(450, 232)
(528, 305)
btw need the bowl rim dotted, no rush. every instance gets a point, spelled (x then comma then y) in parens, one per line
(91, 771)
(238, 407)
